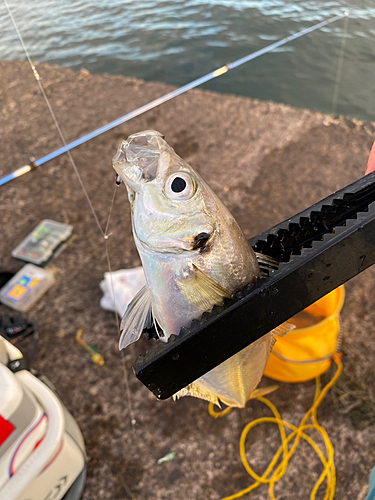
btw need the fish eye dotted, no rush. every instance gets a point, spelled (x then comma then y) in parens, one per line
(180, 186)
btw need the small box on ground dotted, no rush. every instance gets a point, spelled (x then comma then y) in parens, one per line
(26, 287)
(40, 245)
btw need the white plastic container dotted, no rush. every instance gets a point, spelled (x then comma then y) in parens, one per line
(42, 453)
(26, 287)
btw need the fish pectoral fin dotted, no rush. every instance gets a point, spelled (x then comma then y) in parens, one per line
(138, 315)
(196, 392)
(262, 391)
(201, 290)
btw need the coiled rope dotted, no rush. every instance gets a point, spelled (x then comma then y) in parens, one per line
(289, 443)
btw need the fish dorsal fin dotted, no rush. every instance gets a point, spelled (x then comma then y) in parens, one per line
(201, 290)
(137, 316)
(280, 331)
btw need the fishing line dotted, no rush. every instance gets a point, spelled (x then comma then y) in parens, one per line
(340, 65)
(67, 147)
(104, 233)
(167, 97)
(125, 378)
(37, 77)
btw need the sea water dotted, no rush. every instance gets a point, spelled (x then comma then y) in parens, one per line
(176, 41)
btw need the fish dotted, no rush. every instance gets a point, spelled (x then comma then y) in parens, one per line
(194, 256)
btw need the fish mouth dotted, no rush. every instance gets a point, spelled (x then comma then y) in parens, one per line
(137, 158)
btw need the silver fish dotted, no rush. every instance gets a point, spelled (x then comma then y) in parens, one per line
(194, 255)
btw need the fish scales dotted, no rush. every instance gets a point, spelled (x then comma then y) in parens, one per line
(194, 255)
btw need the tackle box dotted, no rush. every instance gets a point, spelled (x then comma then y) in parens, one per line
(26, 287)
(40, 245)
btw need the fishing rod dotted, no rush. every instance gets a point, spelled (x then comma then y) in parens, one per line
(167, 97)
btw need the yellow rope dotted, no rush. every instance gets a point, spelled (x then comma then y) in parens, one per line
(218, 414)
(274, 472)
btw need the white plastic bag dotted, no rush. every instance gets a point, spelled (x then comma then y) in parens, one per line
(120, 287)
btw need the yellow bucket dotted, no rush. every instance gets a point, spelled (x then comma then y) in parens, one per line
(306, 352)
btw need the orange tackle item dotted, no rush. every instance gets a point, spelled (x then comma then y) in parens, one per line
(306, 352)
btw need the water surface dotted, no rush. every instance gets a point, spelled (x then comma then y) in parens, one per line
(180, 40)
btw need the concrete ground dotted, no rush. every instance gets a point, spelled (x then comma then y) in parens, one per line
(266, 161)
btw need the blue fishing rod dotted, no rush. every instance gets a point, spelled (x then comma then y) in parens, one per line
(160, 100)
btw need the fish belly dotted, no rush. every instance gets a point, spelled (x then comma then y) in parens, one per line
(233, 381)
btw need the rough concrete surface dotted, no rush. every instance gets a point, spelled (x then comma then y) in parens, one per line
(266, 161)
